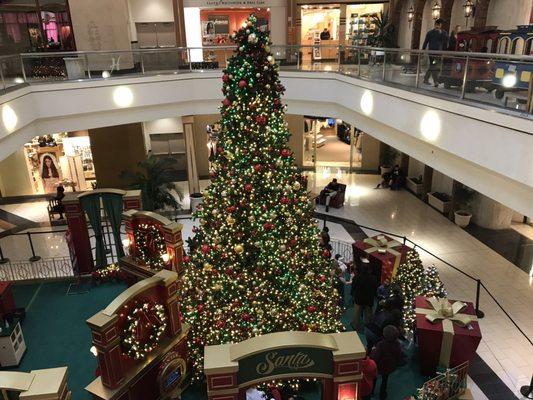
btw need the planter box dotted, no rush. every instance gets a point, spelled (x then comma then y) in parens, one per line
(442, 206)
(416, 188)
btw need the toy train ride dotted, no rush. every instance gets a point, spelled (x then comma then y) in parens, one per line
(498, 75)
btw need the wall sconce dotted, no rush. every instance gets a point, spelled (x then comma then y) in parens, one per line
(126, 243)
(469, 9)
(165, 257)
(410, 15)
(435, 10)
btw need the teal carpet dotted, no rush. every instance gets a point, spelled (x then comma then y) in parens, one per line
(56, 335)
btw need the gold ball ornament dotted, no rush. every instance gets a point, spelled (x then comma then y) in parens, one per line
(296, 185)
(208, 267)
(217, 287)
(238, 249)
(230, 220)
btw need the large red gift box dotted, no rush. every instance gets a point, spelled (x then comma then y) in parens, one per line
(384, 253)
(7, 303)
(447, 338)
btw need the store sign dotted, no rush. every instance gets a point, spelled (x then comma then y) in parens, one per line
(294, 361)
(234, 3)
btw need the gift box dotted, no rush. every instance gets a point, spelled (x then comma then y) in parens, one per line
(448, 333)
(384, 253)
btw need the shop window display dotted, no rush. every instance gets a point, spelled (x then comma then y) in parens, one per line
(361, 24)
(59, 160)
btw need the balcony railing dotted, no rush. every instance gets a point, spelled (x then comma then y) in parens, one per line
(488, 80)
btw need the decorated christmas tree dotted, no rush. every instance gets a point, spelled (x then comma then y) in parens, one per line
(434, 286)
(256, 266)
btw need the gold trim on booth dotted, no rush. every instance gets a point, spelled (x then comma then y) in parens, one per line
(167, 225)
(222, 392)
(350, 378)
(284, 376)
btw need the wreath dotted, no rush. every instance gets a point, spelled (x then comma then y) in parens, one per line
(150, 246)
(145, 316)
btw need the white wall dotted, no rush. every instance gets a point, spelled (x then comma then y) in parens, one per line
(506, 14)
(416, 168)
(458, 16)
(278, 25)
(151, 10)
(441, 183)
(427, 20)
(405, 31)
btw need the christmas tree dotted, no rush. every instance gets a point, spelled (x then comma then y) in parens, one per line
(256, 266)
(434, 286)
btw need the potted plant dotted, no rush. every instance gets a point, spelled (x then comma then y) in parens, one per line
(463, 197)
(196, 200)
(415, 185)
(387, 157)
(155, 178)
(440, 201)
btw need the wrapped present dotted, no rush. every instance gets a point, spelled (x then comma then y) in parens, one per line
(448, 333)
(384, 253)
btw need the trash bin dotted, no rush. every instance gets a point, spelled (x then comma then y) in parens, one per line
(196, 200)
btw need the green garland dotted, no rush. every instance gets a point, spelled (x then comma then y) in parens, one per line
(153, 260)
(156, 317)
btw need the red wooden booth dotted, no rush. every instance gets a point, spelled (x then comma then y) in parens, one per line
(153, 243)
(140, 343)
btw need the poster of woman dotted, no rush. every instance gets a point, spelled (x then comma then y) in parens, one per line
(49, 173)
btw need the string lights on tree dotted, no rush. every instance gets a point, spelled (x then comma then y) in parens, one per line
(144, 327)
(256, 266)
(151, 247)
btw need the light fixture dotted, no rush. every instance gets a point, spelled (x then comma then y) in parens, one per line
(509, 80)
(430, 125)
(410, 15)
(123, 96)
(18, 80)
(367, 102)
(93, 351)
(468, 9)
(105, 74)
(435, 10)
(9, 118)
(126, 242)
(165, 257)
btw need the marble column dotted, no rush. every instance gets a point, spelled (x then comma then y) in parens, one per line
(490, 214)
(179, 23)
(192, 170)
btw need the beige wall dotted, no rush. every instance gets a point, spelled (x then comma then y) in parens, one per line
(441, 183)
(14, 177)
(506, 14)
(370, 152)
(416, 168)
(116, 149)
(100, 24)
(296, 141)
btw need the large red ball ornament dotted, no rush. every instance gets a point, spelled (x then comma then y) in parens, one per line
(248, 187)
(225, 78)
(220, 324)
(311, 309)
(205, 248)
(200, 308)
(231, 209)
(293, 242)
(220, 150)
(322, 278)
(257, 167)
(277, 102)
(186, 259)
(261, 119)
(245, 317)
(242, 84)
(226, 102)
(326, 253)
(267, 226)
(285, 200)
(285, 152)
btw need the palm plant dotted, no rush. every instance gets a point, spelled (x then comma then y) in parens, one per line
(155, 178)
(384, 35)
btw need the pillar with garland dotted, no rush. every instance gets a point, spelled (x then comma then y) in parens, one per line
(257, 266)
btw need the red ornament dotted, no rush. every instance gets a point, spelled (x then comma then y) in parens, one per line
(200, 308)
(326, 253)
(311, 309)
(226, 78)
(205, 248)
(285, 200)
(226, 102)
(229, 271)
(242, 84)
(304, 327)
(257, 167)
(231, 209)
(267, 226)
(248, 187)
(285, 153)
(293, 242)
(280, 88)
(322, 278)
(186, 259)
(220, 324)
(277, 102)
(261, 119)
(212, 174)
(245, 317)
(220, 150)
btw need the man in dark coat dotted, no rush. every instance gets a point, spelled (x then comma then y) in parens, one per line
(364, 287)
(437, 40)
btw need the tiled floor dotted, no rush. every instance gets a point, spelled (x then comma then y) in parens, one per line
(503, 348)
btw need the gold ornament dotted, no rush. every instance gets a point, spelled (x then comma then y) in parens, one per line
(202, 221)
(207, 267)
(296, 185)
(217, 287)
(230, 220)
(238, 249)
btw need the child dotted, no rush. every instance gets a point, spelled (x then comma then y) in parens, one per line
(387, 355)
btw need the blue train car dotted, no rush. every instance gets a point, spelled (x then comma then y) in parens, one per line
(514, 75)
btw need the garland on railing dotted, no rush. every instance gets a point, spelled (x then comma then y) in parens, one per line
(109, 272)
(147, 315)
(150, 246)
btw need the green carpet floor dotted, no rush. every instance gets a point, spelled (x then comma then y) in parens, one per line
(56, 335)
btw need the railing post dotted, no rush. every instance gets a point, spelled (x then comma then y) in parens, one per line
(298, 59)
(3, 260)
(189, 57)
(2, 75)
(384, 66)
(527, 390)
(479, 313)
(33, 257)
(142, 63)
(465, 77)
(339, 58)
(23, 69)
(87, 66)
(404, 240)
(417, 78)
(359, 63)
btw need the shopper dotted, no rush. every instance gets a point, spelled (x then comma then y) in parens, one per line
(364, 286)
(452, 41)
(325, 239)
(340, 284)
(383, 291)
(374, 330)
(387, 354)
(370, 373)
(436, 40)
(340, 263)
(396, 178)
(325, 35)
(59, 208)
(330, 191)
(396, 299)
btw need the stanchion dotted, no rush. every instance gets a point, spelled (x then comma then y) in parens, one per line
(527, 390)
(33, 257)
(404, 240)
(479, 313)
(3, 260)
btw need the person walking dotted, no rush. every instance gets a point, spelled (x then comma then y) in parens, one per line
(387, 354)
(436, 40)
(364, 286)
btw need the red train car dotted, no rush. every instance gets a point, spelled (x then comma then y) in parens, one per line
(480, 71)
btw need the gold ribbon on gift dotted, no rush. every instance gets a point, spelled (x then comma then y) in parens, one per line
(443, 310)
(382, 245)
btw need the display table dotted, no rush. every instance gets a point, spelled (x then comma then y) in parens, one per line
(7, 303)
(449, 340)
(41, 384)
(12, 345)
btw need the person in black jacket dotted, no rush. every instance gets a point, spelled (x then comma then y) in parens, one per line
(364, 287)
(436, 39)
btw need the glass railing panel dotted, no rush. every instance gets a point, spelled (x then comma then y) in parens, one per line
(43, 67)
(401, 67)
(11, 72)
(167, 61)
(288, 57)
(105, 65)
(349, 61)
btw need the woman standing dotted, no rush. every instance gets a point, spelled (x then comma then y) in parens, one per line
(49, 174)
